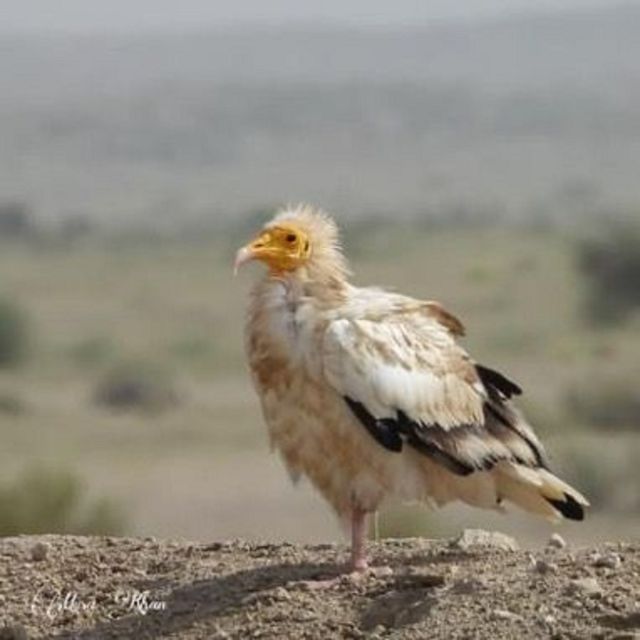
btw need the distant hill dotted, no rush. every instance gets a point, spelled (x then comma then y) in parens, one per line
(533, 116)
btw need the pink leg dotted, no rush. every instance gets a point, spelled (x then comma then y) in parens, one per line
(358, 567)
(358, 540)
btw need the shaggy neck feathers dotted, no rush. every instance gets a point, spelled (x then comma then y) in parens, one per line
(325, 274)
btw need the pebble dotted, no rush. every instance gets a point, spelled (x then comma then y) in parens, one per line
(475, 538)
(220, 634)
(281, 594)
(588, 586)
(607, 560)
(279, 616)
(382, 572)
(251, 599)
(503, 614)
(467, 586)
(39, 551)
(304, 616)
(543, 567)
(556, 541)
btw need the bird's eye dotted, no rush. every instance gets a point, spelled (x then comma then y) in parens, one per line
(291, 237)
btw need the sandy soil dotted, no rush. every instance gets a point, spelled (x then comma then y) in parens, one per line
(480, 586)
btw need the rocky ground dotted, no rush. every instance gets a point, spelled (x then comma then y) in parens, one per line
(478, 586)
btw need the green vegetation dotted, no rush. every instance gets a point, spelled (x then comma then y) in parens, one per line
(16, 221)
(11, 404)
(610, 262)
(48, 501)
(92, 352)
(14, 334)
(140, 386)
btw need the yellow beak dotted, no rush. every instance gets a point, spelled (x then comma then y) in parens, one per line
(271, 246)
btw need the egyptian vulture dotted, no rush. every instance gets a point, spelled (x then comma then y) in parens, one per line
(368, 394)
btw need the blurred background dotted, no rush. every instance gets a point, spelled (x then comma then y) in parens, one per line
(473, 152)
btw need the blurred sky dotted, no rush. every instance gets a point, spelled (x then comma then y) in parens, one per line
(133, 15)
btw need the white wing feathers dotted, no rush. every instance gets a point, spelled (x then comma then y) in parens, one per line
(396, 366)
(408, 382)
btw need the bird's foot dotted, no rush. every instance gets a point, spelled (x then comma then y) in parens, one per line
(358, 574)
(359, 564)
(355, 575)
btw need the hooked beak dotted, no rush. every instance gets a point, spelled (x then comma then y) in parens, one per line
(244, 255)
(257, 248)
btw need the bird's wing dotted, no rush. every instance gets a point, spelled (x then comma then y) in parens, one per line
(407, 381)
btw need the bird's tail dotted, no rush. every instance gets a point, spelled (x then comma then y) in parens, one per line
(538, 491)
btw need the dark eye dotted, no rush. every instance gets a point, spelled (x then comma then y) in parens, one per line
(291, 237)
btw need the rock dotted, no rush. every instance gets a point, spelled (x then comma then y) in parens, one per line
(543, 567)
(479, 538)
(556, 541)
(503, 614)
(587, 586)
(220, 634)
(380, 572)
(280, 594)
(608, 560)
(252, 599)
(304, 616)
(467, 586)
(39, 551)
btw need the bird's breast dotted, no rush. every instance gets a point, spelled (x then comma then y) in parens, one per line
(285, 327)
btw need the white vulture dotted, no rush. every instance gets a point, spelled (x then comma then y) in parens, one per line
(369, 395)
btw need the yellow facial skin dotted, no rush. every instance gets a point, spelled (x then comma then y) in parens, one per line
(282, 248)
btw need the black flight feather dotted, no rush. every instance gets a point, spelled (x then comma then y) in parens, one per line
(494, 380)
(384, 431)
(389, 432)
(569, 507)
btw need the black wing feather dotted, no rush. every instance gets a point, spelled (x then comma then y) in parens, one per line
(384, 431)
(446, 446)
(431, 440)
(494, 381)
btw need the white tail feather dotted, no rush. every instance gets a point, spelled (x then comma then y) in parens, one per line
(531, 489)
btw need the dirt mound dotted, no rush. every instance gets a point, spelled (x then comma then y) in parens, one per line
(480, 586)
